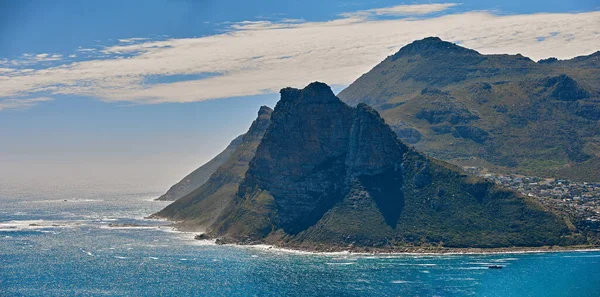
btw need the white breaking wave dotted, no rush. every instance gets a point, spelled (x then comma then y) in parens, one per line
(401, 282)
(38, 224)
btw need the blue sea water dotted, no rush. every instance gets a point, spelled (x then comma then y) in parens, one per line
(53, 247)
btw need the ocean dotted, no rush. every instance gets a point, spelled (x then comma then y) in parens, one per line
(72, 240)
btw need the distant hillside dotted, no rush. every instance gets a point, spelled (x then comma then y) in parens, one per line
(504, 112)
(201, 206)
(329, 175)
(199, 176)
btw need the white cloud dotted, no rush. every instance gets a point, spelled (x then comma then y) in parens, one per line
(129, 40)
(263, 57)
(32, 59)
(402, 10)
(21, 104)
(44, 57)
(80, 49)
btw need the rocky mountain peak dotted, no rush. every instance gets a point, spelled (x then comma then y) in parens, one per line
(260, 125)
(431, 46)
(565, 88)
(289, 95)
(264, 111)
(316, 92)
(318, 89)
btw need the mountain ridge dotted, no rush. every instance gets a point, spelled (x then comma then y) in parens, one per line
(504, 112)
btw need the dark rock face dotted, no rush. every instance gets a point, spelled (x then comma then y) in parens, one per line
(408, 134)
(329, 174)
(440, 107)
(259, 126)
(202, 236)
(304, 146)
(565, 88)
(471, 132)
(307, 155)
(373, 147)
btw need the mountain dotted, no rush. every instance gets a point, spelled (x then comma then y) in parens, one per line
(199, 176)
(504, 112)
(326, 174)
(201, 206)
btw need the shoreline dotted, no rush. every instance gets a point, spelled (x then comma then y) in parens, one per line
(409, 251)
(419, 251)
(321, 249)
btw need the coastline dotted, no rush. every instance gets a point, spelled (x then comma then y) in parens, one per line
(323, 249)
(416, 251)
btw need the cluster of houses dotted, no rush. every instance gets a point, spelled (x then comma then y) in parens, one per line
(580, 200)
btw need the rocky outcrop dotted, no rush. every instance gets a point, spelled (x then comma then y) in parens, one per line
(471, 132)
(564, 88)
(437, 107)
(407, 134)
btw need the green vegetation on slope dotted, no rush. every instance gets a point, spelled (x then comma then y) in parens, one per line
(505, 112)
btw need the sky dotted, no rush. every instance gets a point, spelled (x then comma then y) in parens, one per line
(149, 90)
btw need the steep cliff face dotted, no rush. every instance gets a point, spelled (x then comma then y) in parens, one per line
(373, 148)
(201, 175)
(301, 158)
(202, 206)
(504, 112)
(329, 174)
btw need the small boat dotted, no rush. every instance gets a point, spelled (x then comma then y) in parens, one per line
(495, 267)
